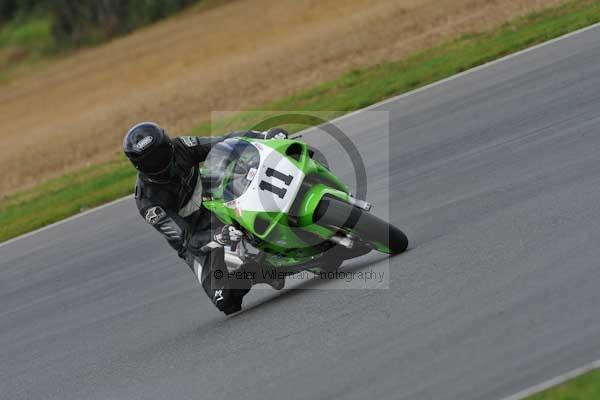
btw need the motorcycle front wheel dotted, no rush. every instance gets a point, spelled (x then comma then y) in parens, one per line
(385, 237)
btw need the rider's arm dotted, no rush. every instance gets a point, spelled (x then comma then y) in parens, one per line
(180, 234)
(174, 228)
(196, 148)
(193, 149)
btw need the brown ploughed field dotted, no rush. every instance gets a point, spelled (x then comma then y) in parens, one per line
(233, 56)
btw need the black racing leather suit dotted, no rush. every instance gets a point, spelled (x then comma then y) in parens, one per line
(175, 210)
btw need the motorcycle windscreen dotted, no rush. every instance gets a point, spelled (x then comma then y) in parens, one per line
(228, 169)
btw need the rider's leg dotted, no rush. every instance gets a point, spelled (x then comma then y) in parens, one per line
(263, 274)
(225, 291)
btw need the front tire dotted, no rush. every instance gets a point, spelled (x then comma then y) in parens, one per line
(333, 212)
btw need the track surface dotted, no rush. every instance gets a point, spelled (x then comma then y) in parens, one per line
(495, 176)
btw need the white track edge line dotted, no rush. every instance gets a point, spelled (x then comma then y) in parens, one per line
(540, 387)
(63, 221)
(372, 106)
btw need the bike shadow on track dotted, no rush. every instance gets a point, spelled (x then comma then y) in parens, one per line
(233, 323)
(301, 288)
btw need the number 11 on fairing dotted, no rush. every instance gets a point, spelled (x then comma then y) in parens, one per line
(280, 192)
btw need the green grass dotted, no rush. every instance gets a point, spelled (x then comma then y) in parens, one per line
(39, 32)
(584, 387)
(65, 196)
(33, 34)
(25, 43)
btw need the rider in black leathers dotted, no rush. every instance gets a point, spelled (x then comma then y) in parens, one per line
(168, 194)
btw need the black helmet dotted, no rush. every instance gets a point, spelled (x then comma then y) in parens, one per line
(149, 149)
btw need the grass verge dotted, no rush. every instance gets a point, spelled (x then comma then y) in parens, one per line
(24, 42)
(33, 33)
(65, 196)
(584, 387)
(68, 195)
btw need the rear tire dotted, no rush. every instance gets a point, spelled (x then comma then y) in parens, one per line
(332, 212)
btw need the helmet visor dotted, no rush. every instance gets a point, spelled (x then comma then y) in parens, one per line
(157, 161)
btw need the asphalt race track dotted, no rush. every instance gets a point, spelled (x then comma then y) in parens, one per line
(495, 177)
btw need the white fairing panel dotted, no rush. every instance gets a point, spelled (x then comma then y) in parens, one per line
(258, 197)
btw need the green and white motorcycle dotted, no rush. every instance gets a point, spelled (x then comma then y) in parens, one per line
(295, 214)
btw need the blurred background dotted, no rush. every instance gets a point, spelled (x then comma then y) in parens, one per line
(74, 74)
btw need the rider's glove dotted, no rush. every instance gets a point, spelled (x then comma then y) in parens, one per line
(229, 234)
(276, 133)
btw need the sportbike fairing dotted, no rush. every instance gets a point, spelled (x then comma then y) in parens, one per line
(251, 176)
